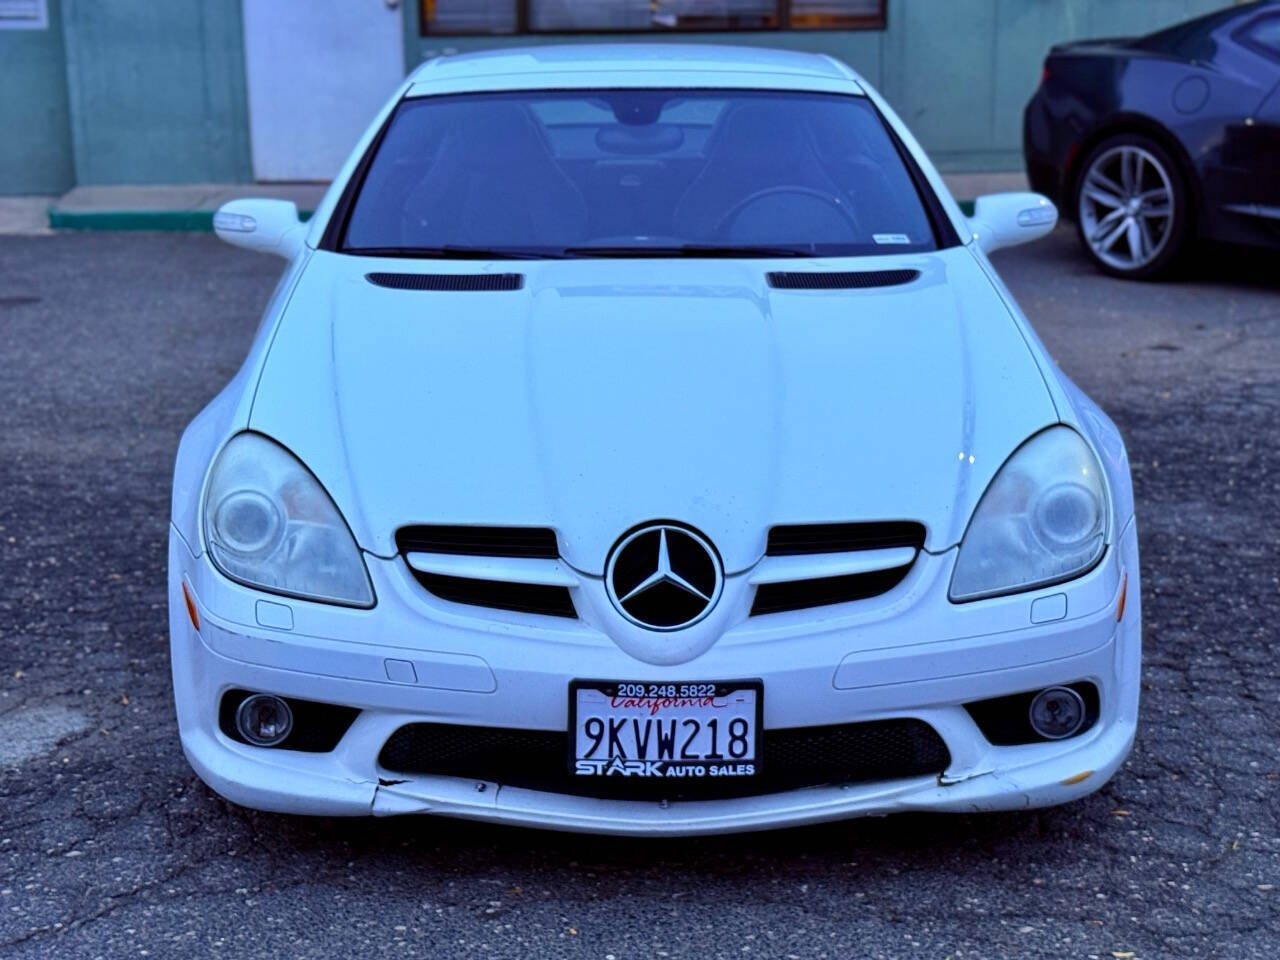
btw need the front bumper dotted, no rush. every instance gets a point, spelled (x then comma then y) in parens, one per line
(909, 653)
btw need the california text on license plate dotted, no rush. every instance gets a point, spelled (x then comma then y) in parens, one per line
(690, 730)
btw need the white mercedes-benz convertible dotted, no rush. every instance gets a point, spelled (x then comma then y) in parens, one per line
(640, 441)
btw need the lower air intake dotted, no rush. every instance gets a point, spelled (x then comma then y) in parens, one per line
(794, 758)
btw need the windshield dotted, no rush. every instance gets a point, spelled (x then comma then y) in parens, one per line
(636, 173)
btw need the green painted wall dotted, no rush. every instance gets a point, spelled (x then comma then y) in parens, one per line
(958, 71)
(153, 91)
(35, 131)
(157, 91)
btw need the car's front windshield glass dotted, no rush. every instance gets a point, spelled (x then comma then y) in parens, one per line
(637, 173)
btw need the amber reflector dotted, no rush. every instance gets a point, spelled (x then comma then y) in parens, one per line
(191, 607)
(1124, 589)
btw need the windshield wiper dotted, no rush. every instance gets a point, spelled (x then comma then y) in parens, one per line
(454, 253)
(686, 250)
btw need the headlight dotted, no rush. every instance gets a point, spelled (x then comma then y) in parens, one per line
(269, 524)
(1042, 520)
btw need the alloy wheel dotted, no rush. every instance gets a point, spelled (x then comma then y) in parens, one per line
(1126, 207)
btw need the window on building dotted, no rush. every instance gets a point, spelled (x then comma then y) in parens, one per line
(644, 16)
(826, 14)
(569, 16)
(23, 15)
(468, 16)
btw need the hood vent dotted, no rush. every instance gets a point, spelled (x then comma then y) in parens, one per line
(450, 282)
(854, 280)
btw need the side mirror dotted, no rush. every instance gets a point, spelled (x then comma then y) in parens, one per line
(267, 226)
(1008, 219)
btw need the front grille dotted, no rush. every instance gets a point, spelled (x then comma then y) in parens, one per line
(792, 758)
(479, 541)
(537, 543)
(852, 280)
(500, 594)
(834, 538)
(802, 594)
(806, 538)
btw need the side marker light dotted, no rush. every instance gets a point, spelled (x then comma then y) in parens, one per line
(191, 606)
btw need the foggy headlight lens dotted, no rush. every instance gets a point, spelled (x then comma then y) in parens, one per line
(269, 524)
(249, 523)
(1042, 520)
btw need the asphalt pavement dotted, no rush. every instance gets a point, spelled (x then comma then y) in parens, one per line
(111, 847)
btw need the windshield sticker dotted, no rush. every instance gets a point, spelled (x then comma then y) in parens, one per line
(890, 238)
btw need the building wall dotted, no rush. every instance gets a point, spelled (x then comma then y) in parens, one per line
(157, 91)
(35, 124)
(142, 91)
(958, 71)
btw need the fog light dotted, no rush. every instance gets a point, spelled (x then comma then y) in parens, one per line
(265, 720)
(1057, 712)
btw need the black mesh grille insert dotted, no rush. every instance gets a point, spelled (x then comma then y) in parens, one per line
(455, 282)
(854, 280)
(843, 537)
(317, 727)
(479, 541)
(801, 757)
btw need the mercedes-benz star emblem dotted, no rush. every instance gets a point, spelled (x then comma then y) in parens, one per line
(664, 577)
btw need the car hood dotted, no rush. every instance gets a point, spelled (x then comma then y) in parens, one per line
(605, 393)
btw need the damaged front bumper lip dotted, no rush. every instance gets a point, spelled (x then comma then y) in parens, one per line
(1032, 785)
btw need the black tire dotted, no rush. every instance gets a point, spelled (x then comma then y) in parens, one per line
(1159, 241)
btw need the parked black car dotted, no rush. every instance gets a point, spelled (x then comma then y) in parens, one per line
(1149, 142)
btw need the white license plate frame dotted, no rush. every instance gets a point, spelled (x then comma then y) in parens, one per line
(654, 763)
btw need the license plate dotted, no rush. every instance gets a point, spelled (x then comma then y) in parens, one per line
(695, 730)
